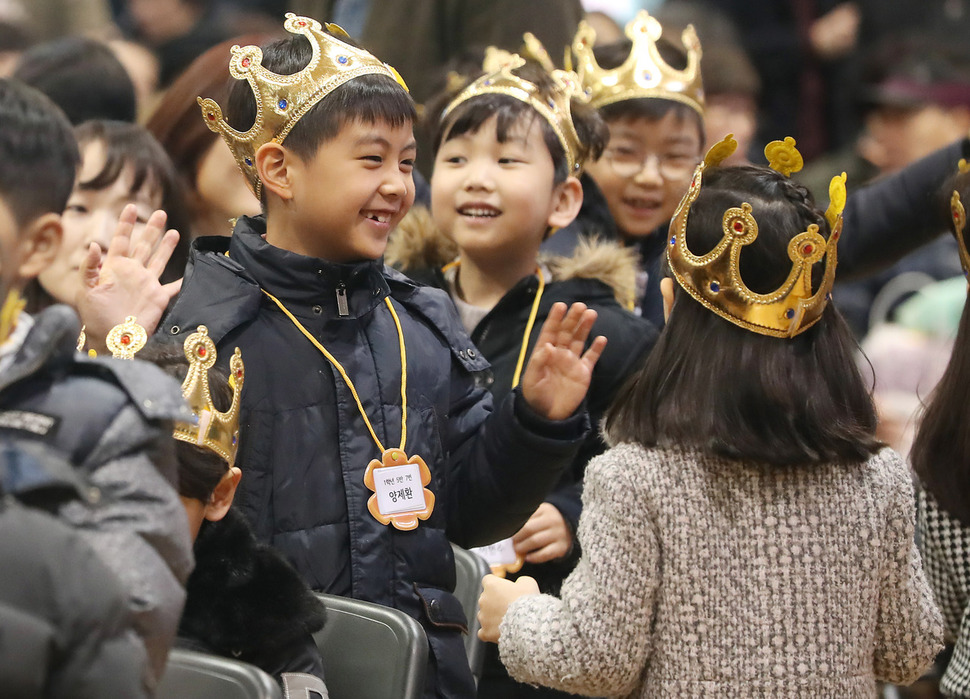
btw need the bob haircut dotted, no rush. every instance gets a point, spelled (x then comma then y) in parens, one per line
(652, 109)
(469, 116)
(368, 99)
(941, 448)
(715, 386)
(200, 470)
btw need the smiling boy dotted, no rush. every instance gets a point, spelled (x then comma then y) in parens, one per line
(353, 368)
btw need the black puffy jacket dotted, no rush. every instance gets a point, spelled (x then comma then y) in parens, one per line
(304, 447)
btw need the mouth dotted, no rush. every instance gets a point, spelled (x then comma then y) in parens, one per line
(641, 205)
(478, 210)
(379, 216)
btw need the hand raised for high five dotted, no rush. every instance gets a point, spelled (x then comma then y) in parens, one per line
(125, 280)
(558, 374)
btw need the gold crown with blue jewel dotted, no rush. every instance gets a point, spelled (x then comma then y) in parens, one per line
(281, 100)
(644, 74)
(714, 278)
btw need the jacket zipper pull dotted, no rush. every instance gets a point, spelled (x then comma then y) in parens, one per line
(342, 308)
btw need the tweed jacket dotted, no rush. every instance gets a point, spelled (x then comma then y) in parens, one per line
(702, 577)
(945, 544)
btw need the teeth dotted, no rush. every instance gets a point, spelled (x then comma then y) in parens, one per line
(478, 212)
(381, 218)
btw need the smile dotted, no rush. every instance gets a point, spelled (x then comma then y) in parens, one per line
(380, 218)
(479, 211)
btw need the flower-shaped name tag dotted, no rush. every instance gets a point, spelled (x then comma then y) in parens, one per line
(400, 497)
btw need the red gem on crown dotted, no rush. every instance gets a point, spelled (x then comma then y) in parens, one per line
(126, 339)
(211, 116)
(245, 62)
(301, 23)
(738, 226)
(807, 249)
(201, 351)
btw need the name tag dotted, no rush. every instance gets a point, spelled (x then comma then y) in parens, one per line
(501, 553)
(399, 489)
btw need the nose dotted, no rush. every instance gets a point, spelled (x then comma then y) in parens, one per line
(101, 228)
(396, 184)
(649, 172)
(479, 175)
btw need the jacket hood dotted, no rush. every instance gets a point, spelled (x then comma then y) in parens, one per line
(418, 244)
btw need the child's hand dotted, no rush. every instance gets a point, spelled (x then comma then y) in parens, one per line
(558, 374)
(496, 597)
(124, 282)
(545, 537)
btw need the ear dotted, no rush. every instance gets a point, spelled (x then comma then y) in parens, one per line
(275, 163)
(667, 291)
(39, 244)
(567, 198)
(221, 499)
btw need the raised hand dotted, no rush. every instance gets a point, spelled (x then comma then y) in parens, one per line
(558, 374)
(125, 280)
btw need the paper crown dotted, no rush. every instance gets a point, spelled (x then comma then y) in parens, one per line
(553, 104)
(281, 100)
(644, 74)
(959, 214)
(714, 279)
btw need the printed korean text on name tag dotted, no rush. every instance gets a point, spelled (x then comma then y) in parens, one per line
(399, 489)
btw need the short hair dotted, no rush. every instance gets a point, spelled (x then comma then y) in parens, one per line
(941, 448)
(726, 390)
(469, 116)
(199, 469)
(83, 76)
(131, 145)
(368, 98)
(613, 55)
(38, 153)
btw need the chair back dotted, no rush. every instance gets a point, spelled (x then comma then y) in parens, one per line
(470, 568)
(193, 675)
(370, 651)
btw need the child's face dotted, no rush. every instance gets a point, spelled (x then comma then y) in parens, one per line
(493, 198)
(352, 193)
(91, 216)
(223, 193)
(645, 170)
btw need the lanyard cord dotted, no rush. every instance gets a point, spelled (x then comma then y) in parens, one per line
(346, 378)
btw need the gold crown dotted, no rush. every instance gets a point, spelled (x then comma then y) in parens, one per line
(644, 73)
(714, 279)
(959, 214)
(213, 430)
(281, 100)
(553, 105)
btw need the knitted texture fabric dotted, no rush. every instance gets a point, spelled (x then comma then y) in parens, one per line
(702, 576)
(945, 543)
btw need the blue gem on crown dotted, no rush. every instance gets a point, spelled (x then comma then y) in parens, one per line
(715, 287)
(342, 60)
(282, 104)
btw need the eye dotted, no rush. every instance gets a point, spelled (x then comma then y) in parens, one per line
(377, 159)
(76, 208)
(455, 159)
(508, 161)
(408, 164)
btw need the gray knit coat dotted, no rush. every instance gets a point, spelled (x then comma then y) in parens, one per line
(703, 577)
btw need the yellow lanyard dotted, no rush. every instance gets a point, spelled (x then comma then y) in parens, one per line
(346, 378)
(528, 326)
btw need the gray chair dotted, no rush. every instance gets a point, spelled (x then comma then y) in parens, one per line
(192, 675)
(370, 651)
(470, 568)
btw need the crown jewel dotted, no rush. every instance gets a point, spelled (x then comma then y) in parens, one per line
(644, 73)
(714, 279)
(959, 215)
(211, 429)
(553, 104)
(281, 100)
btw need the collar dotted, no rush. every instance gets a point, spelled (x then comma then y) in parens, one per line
(310, 287)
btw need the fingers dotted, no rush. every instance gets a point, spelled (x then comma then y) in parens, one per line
(595, 351)
(163, 253)
(144, 242)
(121, 240)
(550, 328)
(91, 266)
(552, 552)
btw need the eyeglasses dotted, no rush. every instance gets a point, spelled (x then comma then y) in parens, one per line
(629, 163)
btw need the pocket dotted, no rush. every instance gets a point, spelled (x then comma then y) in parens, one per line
(442, 609)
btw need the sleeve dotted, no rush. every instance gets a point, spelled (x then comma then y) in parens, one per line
(596, 638)
(896, 214)
(909, 629)
(937, 538)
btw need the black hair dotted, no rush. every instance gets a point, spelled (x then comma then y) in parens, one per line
(200, 470)
(38, 153)
(941, 449)
(371, 98)
(652, 109)
(721, 388)
(469, 116)
(83, 76)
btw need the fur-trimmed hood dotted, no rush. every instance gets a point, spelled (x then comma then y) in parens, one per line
(418, 244)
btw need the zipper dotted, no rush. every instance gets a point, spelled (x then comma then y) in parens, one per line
(342, 308)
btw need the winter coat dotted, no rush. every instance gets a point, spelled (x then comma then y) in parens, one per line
(243, 600)
(304, 446)
(883, 221)
(708, 577)
(112, 420)
(67, 629)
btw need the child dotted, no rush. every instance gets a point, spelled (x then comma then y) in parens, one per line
(109, 420)
(243, 600)
(502, 181)
(940, 457)
(349, 359)
(747, 536)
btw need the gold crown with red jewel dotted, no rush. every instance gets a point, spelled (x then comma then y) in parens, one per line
(210, 429)
(553, 104)
(281, 100)
(959, 214)
(714, 278)
(644, 74)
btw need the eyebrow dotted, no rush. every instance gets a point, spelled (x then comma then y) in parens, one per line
(376, 139)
